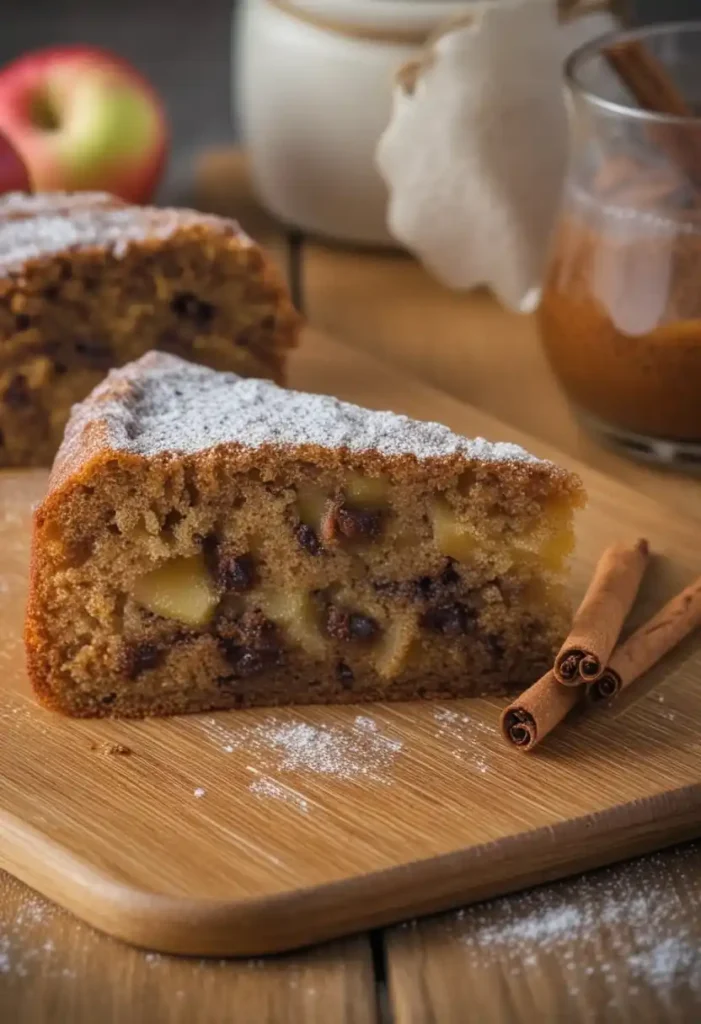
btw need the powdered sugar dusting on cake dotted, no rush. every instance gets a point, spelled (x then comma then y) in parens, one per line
(175, 406)
(99, 223)
(32, 204)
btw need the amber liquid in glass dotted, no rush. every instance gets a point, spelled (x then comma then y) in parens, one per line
(620, 315)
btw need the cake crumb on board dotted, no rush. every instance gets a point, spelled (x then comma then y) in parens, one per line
(119, 749)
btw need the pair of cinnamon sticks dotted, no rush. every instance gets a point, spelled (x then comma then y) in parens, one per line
(590, 665)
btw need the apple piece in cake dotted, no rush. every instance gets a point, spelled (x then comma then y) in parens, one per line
(215, 542)
(88, 282)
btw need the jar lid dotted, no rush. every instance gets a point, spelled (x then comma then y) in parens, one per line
(407, 17)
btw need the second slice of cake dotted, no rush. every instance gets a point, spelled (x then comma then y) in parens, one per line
(212, 542)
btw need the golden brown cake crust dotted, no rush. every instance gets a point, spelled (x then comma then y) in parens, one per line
(168, 462)
(88, 282)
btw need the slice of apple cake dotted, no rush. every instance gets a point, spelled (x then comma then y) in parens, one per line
(211, 542)
(88, 282)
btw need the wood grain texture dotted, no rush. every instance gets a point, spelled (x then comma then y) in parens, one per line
(469, 347)
(622, 945)
(55, 970)
(341, 849)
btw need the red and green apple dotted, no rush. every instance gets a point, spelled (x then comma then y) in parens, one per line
(13, 173)
(82, 118)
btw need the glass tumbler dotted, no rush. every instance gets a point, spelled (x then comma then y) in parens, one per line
(620, 316)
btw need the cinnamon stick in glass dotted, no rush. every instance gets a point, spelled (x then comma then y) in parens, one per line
(648, 644)
(529, 718)
(600, 617)
(656, 92)
(646, 78)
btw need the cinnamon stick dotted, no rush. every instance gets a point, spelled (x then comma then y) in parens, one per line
(648, 644)
(657, 93)
(599, 618)
(646, 78)
(529, 718)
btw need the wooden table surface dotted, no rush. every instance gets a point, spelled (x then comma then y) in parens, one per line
(618, 945)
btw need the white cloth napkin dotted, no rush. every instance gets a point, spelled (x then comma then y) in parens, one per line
(476, 150)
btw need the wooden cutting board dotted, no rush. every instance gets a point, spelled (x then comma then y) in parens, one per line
(250, 832)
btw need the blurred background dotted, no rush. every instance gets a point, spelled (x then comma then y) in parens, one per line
(185, 49)
(340, 101)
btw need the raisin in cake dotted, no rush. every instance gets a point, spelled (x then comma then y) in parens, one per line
(88, 282)
(211, 542)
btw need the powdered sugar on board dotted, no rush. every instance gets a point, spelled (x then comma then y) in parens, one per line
(465, 735)
(28, 952)
(267, 788)
(357, 750)
(22, 953)
(626, 926)
(283, 745)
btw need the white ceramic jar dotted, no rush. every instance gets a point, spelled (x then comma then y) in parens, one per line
(313, 91)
